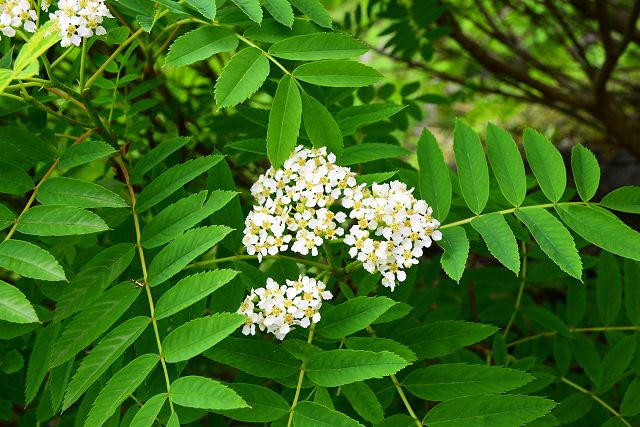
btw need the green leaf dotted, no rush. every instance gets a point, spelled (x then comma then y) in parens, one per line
(616, 362)
(29, 260)
(553, 239)
(173, 421)
(146, 416)
(14, 305)
(586, 171)
(38, 43)
(472, 167)
(265, 405)
(119, 387)
(260, 358)
(112, 346)
(546, 163)
(375, 178)
(452, 380)
(314, 10)
(312, 47)
(196, 336)
(488, 411)
(280, 10)
(184, 214)
(173, 179)
(14, 180)
(506, 163)
(284, 122)
(321, 127)
(337, 73)
(184, 249)
(60, 221)
(587, 357)
(200, 44)
(206, 7)
(630, 406)
(608, 288)
(602, 229)
(87, 151)
(364, 401)
(20, 146)
(351, 118)
(158, 154)
(499, 238)
(435, 182)
(204, 393)
(547, 319)
(76, 192)
(310, 414)
(58, 380)
(244, 74)
(456, 251)
(251, 8)
(93, 322)
(381, 344)
(190, 290)
(351, 316)
(632, 290)
(39, 360)
(444, 337)
(623, 199)
(337, 367)
(368, 152)
(7, 217)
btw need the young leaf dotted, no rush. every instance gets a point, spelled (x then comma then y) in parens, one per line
(632, 290)
(171, 180)
(586, 171)
(60, 221)
(7, 218)
(199, 44)
(364, 401)
(616, 362)
(472, 167)
(608, 288)
(506, 163)
(546, 163)
(444, 337)
(39, 360)
(435, 182)
(310, 414)
(553, 239)
(102, 356)
(119, 387)
(452, 380)
(338, 367)
(623, 199)
(75, 192)
(146, 416)
(351, 316)
(456, 251)
(499, 238)
(14, 305)
(313, 47)
(200, 392)
(14, 180)
(180, 252)
(157, 155)
(369, 152)
(265, 405)
(352, 118)
(29, 260)
(241, 77)
(87, 151)
(190, 290)
(93, 322)
(251, 8)
(280, 10)
(322, 129)
(184, 214)
(260, 358)
(337, 73)
(488, 410)
(314, 10)
(284, 122)
(198, 335)
(602, 229)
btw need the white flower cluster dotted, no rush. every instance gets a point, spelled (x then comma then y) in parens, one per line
(293, 204)
(79, 19)
(15, 14)
(391, 231)
(277, 309)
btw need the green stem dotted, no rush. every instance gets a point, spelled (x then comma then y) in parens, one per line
(300, 380)
(265, 53)
(604, 404)
(405, 401)
(523, 280)
(241, 257)
(590, 329)
(83, 60)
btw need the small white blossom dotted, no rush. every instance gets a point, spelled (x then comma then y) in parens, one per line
(78, 19)
(16, 14)
(278, 309)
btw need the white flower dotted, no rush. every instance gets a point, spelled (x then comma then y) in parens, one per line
(79, 19)
(16, 14)
(278, 309)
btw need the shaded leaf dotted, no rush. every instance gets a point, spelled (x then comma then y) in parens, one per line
(14, 305)
(310, 414)
(368, 152)
(14, 180)
(265, 405)
(321, 127)
(364, 401)
(158, 154)
(39, 360)
(87, 151)
(435, 182)
(586, 171)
